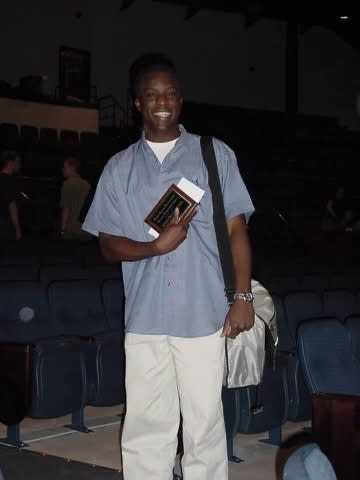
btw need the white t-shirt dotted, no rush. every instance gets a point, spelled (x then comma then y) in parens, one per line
(161, 149)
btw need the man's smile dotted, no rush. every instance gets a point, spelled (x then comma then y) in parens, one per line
(162, 114)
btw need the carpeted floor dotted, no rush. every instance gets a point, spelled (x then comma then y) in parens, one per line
(18, 464)
(101, 447)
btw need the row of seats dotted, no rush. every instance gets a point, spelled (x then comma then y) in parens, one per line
(291, 310)
(61, 348)
(329, 353)
(318, 282)
(30, 136)
(49, 273)
(61, 252)
(283, 393)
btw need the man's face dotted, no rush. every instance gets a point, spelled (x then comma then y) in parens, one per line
(16, 165)
(67, 169)
(159, 102)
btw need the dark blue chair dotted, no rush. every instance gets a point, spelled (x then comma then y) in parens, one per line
(53, 273)
(299, 306)
(352, 324)
(282, 284)
(77, 306)
(42, 372)
(317, 282)
(326, 357)
(100, 273)
(340, 303)
(113, 299)
(18, 259)
(346, 281)
(25, 273)
(9, 135)
(29, 136)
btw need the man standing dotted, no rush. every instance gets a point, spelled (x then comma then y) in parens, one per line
(74, 192)
(176, 313)
(10, 228)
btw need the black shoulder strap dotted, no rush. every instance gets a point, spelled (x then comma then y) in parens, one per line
(220, 223)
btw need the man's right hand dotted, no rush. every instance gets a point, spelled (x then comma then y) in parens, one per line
(174, 233)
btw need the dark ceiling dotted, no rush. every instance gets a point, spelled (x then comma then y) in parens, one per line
(307, 12)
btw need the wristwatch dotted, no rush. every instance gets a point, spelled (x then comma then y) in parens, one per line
(247, 297)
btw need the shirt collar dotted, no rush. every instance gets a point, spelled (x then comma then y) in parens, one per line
(181, 138)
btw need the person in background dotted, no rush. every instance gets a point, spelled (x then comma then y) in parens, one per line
(339, 214)
(10, 228)
(74, 193)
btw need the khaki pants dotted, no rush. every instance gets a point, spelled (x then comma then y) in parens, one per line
(164, 374)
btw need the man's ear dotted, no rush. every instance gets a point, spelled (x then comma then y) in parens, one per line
(137, 105)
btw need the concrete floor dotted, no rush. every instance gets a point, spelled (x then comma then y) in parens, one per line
(102, 446)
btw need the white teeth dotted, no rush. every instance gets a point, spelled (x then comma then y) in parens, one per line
(162, 114)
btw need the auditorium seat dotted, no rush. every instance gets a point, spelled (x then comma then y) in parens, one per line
(77, 306)
(89, 141)
(113, 298)
(61, 258)
(348, 281)
(317, 282)
(29, 136)
(99, 273)
(95, 259)
(299, 306)
(340, 303)
(19, 273)
(69, 138)
(326, 357)
(18, 259)
(53, 273)
(48, 138)
(282, 284)
(9, 135)
(45, 371)
(352, 324)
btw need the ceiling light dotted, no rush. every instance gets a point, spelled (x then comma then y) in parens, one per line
(344, 17)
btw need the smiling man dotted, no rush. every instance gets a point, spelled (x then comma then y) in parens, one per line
(176, 313)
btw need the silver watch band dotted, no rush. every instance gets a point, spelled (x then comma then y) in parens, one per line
(247, 297)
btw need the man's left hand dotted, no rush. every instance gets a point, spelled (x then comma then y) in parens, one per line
(240, 317)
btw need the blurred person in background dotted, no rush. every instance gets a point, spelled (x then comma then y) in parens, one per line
(10, 228)
(74, 192)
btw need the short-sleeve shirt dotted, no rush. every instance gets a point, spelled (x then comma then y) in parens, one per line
(9, 192)
(74, 192)
(180, 293)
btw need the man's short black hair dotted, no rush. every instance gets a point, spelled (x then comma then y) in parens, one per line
(7, 157)
(148, 63)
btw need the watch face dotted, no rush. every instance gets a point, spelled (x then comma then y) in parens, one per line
(249, 297)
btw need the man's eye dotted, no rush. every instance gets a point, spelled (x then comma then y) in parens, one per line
(150, 94)
(172, 93)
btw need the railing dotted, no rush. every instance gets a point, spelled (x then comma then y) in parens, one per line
(111, 113)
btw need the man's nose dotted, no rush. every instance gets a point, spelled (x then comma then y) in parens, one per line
(161, 99)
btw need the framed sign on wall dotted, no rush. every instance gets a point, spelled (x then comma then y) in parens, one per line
(74, 74)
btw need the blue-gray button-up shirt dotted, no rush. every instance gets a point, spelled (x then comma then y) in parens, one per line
(180, 293)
